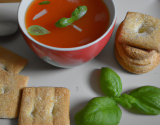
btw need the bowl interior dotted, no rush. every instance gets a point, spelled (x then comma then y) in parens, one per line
(21, 19)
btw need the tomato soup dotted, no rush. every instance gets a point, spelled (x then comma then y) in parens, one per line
(93, 24)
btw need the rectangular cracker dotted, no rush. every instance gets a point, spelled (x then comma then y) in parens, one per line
(45, 106)
(10, 61)
(10, 93)
(141, 31)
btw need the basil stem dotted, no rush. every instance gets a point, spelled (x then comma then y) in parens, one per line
(125, 100)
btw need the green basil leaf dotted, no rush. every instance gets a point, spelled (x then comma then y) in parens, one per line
(44, 2)
(37, 30)
(63, 22)
(125, 100)
(79, 12)
(147, 100)
(110, 81)
(99, 111)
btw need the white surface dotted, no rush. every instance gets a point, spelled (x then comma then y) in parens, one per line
(83, 81)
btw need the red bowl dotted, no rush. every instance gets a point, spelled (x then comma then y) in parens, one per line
(67, 57)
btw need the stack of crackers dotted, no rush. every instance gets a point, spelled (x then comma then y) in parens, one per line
(137, 43)
(33, 105)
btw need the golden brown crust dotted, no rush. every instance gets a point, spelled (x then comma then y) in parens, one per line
(141, 31)
(10, 93)
(11, 62)
(45, 106)
(132, 58)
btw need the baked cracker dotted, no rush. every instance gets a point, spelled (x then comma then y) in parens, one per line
(10, 93)
(10, 61)
(140, 30)
(45, 106)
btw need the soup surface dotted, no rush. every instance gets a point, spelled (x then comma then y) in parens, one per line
(93, 24)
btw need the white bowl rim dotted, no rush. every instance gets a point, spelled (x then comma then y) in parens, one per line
(74, 48)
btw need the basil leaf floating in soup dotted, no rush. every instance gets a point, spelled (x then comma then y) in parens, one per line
(44, 2)
(99, 111)
(37, 30)
(79, 12)
(63, 22)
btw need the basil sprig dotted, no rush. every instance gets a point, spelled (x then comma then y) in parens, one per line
(144, 100)
(78, 13)
(105, 111)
